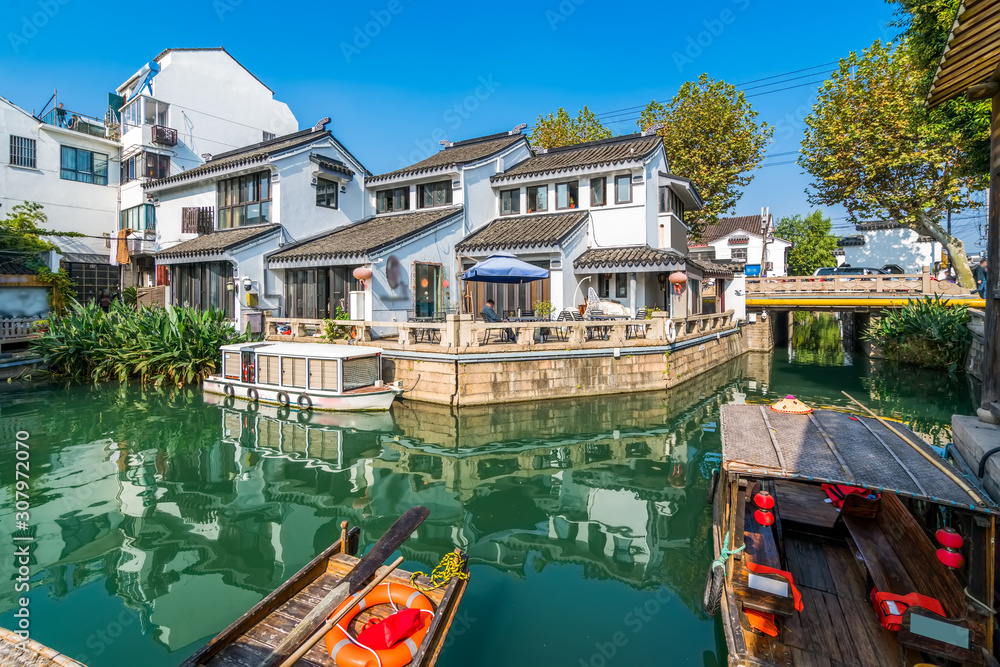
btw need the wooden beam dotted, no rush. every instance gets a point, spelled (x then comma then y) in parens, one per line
(991, 331)
(983, 91)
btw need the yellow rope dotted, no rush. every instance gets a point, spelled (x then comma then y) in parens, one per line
(449, 568)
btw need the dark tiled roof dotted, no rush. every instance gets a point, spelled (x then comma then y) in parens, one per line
(366, 236)
(332, 165)
(523, 231)
(875, 225)
(713, 269)
(851, 240)
(628, 256)
(461, 152)
(16, 266)
(736, 240)
(247, 155)
(604, 152)
(726, 226)
(217, 242)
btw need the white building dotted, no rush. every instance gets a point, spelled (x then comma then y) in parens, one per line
(741, 241)
(884, 242)
(179, 110)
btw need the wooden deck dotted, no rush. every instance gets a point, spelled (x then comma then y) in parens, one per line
(16, 651)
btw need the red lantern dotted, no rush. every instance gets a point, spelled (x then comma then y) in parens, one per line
(678, 278)
(765, 501)
(950, 541)
(363, 273)
(444, 284)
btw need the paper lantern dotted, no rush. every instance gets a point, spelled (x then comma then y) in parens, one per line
(678, 278)
(951, 542)
(949, 538)
(764, 500)
(363, 273)
(950, 558)
(763, 517)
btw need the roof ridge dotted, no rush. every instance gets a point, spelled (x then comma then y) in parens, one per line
(597, 142)
(263, 144)
(477, 140)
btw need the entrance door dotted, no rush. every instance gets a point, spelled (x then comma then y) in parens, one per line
(427, 293)
(249, 366)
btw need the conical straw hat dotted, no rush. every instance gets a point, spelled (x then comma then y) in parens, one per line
(791, 405)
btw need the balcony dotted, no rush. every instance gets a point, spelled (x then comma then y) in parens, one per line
(165, 136)
(78, 122)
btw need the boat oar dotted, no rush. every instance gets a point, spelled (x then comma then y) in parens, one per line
(352, 583)
(333, 620)
(937, 464)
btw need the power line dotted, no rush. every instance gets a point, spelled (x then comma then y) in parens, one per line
(778, 76)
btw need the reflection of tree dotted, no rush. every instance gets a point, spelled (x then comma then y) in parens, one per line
(816, 339)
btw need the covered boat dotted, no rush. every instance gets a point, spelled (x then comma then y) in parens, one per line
(304, 376)
(846, 540)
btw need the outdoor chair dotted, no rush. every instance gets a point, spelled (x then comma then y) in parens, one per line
(602, 331)
(566, 315)
(502, 335)
(635, 330)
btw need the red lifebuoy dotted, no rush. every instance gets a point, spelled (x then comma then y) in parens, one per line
(346, 652)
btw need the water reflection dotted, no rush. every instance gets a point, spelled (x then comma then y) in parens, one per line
(178, 514)
(817, 339)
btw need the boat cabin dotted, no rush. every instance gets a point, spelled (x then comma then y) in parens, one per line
(303, 366)
(839, 542)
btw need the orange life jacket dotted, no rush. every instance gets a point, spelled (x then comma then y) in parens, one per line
(890, 608)
(757, 568)
(837, 493)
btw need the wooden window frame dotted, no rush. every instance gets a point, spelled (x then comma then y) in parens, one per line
(630, 193)
(515, 194)
(603, 180)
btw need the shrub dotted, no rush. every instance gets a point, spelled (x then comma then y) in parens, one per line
(161, 346)
(925, 332)
(333, 331)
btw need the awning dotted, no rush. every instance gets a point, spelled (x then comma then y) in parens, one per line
(504, 268)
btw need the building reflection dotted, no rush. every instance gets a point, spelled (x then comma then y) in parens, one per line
(215, 502)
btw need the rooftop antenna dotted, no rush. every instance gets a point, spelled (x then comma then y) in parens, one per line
(517, 128)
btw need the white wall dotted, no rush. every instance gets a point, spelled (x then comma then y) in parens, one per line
(71, 206)
(893, 246)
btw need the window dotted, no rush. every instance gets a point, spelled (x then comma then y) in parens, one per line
(538, 198)
(434, 194)
(604, 285)
(621, 286)
(155, 112)
(510, 201)
(670, 202)
(245, 200)
(623, 189)
(197, 220)
(203, 286)
(89, 280)
(131, 168)
(326, 193)
(132, 115)
(567, 195)
(396, 199)
(140, 218)
(598, 191)
(84, 166)
(22, 152)
(307, 293)
(267, 136)
(738, 254)
(157, 166)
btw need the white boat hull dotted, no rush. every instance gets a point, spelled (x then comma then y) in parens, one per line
(369, 399)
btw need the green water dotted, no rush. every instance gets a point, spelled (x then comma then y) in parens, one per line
(159, 518)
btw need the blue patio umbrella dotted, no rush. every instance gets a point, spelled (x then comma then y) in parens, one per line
(502, 267)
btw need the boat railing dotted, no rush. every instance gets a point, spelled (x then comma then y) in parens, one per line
(462, 331)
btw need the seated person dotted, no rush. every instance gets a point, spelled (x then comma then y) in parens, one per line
(489, 314)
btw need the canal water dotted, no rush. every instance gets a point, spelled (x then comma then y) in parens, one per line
(159, 517)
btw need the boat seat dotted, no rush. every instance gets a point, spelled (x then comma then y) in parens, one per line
(766, 593)
(900, 558)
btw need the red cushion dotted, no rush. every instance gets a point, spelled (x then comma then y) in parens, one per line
(389, 632)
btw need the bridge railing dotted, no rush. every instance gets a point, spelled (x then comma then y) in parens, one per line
(910, 284)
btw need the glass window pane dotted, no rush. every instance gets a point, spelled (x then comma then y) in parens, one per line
(100, 169)
(239, 216)
(265, 213)
(265, 186)
(68, 163)
(253, 214)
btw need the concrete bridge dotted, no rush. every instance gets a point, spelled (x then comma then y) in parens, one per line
(850, 293)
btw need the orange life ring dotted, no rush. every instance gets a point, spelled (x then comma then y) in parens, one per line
(346, 652)
(354, 333)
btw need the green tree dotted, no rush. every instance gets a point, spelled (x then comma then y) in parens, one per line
(559, 129)
(21, 229)
(925, 26)
(872, 146)
(813, 244)
(711, 135)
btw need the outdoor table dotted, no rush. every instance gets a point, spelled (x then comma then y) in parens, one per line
(419, 334)
(532, 318)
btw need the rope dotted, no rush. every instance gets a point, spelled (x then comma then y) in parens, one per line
(450, 567)
(726, 553)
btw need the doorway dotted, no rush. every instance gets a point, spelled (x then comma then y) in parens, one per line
(427, 293)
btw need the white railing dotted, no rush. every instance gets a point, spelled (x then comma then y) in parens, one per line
(919, 283)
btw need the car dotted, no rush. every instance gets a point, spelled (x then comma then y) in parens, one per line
(848, 271)
(893, 268)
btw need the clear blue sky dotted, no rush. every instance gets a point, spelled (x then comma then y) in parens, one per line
(389, 93)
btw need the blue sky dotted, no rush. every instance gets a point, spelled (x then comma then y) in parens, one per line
(394, 74)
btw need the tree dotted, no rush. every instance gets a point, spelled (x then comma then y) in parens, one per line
(813, 244)
(710, 135)
(21, 229)
(926, 25)
(559, 129)
(871, 146)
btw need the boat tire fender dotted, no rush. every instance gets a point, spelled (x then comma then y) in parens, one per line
(304, 416)
(284, 411)
(252, 394)
(228, 390)
(671, 331)
(283, 399)
(305, 402)
(713, 590)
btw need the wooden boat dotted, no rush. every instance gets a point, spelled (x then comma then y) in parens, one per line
(304, 376)
(822, 565)
(254, 635)
(15, 651)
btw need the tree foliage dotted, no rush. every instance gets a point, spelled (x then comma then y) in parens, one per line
(711, 135)
(559, 129)
(871, 146)
(21, 229)
(925, 27)
(813, 244)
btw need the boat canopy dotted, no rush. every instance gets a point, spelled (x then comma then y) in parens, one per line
(310, 350)
(835, 447)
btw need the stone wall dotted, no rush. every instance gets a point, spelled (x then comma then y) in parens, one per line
(476, 379)
(759, 334)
